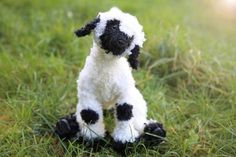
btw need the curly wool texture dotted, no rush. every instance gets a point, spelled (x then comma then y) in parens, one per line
(106, 80)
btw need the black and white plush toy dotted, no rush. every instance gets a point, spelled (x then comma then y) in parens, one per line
(106, 82)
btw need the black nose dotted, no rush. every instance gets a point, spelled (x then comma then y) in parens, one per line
(123, 41)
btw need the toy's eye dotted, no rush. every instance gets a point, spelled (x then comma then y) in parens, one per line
(114, 27)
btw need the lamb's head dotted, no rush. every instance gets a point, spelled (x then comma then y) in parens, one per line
(116, 32)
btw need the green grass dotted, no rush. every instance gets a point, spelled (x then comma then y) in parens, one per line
(187, 74)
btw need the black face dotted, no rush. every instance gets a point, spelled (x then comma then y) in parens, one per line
(113, 40)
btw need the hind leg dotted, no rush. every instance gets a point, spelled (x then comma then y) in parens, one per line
(67, 127)
(154, 133)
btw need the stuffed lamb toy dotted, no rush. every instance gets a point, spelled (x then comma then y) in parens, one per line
(106, 82)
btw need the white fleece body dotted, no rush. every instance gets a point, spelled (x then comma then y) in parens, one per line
(104, 81)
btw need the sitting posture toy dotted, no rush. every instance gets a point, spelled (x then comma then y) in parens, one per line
(106, 81)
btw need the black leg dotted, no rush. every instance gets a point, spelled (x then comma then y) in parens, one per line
(154, 134)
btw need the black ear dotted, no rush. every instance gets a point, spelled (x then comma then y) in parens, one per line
(86, 30)
(133, 58)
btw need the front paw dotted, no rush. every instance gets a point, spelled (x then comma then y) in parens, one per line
(122, 147)
(124, 139)
(67, 127)
(154, 134)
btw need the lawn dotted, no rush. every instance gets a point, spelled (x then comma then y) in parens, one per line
(187, 74)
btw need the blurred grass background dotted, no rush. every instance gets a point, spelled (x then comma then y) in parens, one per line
(187, 74)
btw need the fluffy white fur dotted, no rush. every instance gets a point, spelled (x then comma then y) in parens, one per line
(107, 79)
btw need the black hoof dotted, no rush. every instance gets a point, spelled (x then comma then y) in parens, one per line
(67, 127)
(154, 134)
(95, 144)
(123, 148)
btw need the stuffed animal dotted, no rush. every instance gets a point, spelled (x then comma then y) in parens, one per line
(106, 82)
